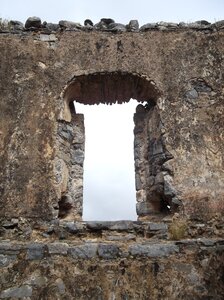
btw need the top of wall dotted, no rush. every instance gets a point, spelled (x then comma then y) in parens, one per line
(105, 24)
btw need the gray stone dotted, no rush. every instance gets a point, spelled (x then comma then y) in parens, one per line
(52, 26)
(138, 183)
(183, 25)
(5, 260)
(77, 156)
(156, 147)
(107, 21)
(117, 27)
(69, 25)
(133, 26)
(110, 225)
(60, 285)
(35, 251)
(88, 250)
(219, 24)
(198, 25)
(120, 238)
(16, 25)
(203, 22)
(71, 227)
(48, 37)
(148, 26)
(33, 22)
(144, 208)
(100, 26)
(153, 250)
(206, 242)
(98, 225)
(202, 87)
(176, 201)
(58, 248)
(108, 251)
(162, 28)
(104, 24)
(10, 248)
(17, 292)
(157, 226)
(169, 190)
(191, 95)
(167, 25)
(121, 225)
(88, 22)
(159, 178)
(187, 242)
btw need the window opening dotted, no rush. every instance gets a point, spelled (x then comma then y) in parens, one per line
(109, 176)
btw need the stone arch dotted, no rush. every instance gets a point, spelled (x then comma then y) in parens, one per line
(108, 88)
(149, 149)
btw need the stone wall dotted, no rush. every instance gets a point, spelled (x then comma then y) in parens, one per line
(111, 260)
(175, 72)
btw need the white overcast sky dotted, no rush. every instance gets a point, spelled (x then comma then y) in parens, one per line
(109, 192)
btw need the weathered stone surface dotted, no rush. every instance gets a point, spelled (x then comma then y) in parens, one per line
(120, 238)
(10, 248)
(144, 208)
(178, 130)
(52, 26)
(157, 226)
(88, 22)
(16, 25)
(33, 22)
(133, 25)
(35, 251)
(69, 25)
(5, 260)
(58, 248)
(219, 24)
(108, 251)
(153, 250)
(17, 292)
(178, 160)
(148, 26)
(116, 27)
(48, 38)
(98, 225)
(152, 264)
(86, 251)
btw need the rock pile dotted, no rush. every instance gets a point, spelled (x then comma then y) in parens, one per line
(107, 24)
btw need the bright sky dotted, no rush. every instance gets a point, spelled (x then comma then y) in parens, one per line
(109, 191)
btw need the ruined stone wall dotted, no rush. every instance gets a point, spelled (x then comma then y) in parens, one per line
(185, 71)
(175, 72)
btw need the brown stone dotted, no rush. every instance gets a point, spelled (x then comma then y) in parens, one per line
(178, 130)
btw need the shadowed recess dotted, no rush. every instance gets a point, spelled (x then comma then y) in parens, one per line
(109, 88)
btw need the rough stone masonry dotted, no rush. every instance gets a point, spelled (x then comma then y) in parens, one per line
(176, 73)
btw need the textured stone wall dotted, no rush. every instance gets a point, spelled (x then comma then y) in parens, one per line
(179, 73)
(175, 72)
(111, 260)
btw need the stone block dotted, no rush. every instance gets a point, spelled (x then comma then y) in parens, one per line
(58, 248)
(86, 251)
(35, 251)
(153, 250)
(108, 251)
(157, 227)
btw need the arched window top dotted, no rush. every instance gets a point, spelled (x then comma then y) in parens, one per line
(109, 88)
